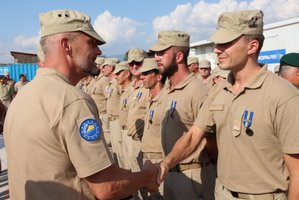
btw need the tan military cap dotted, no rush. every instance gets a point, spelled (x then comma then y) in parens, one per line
(219, 72)
(204, 63)
(148, 65)
(192, 60)
(100, 60)
(234, 24)
(121, 66)
(62, 21)
(136, 55)
(167, 39)
(111, 61)
(40, 53)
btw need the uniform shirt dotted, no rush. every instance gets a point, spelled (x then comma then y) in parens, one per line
(182, 104)
(123, 106)
(254, 129)
(6, 92)
(47, 156)
(19, 85)
(113, 94)
(98, 95)
(151, 140)
(137, 109)
(88, 85)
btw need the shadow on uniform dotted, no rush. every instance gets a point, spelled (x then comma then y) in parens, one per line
(48, 189)
(207, 172)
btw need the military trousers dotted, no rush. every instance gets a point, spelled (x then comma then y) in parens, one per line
(191, 184)
(117, 141)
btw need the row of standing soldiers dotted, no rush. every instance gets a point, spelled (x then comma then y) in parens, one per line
(131, 107)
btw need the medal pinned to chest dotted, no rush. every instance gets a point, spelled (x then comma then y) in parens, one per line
(137, 98)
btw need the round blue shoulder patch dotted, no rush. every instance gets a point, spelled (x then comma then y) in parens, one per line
(90, 130)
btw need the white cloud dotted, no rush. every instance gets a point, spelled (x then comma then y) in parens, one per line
(200, 19)
(26, 42)
(112, 28)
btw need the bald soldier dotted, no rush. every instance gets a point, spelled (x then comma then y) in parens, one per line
(63, 155)
(194, 177)
(256, 127)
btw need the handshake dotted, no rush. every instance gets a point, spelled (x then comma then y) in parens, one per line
(156, 175)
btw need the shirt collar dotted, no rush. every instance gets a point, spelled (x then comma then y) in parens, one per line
(256, 82)
(53, 72)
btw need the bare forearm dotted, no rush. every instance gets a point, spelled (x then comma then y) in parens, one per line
(294, 188)
(116, 183)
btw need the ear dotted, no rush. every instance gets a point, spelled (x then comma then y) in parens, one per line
(159, 77)
(65, 44)
(179, 57)
(253, 47)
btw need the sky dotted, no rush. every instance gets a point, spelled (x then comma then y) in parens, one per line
(126, 24)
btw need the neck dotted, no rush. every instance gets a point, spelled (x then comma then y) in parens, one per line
(155, 90)
(244, 76)
(126, 83)
(179, 76)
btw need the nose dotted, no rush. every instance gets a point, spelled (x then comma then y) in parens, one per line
(99, 52)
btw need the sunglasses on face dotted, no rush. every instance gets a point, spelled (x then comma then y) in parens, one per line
(135, 63)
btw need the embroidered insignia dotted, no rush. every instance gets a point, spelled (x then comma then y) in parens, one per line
(247, 118)
(252, 23)
(90, 130)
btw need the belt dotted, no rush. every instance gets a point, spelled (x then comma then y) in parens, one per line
(184, 167)
(150, 156)
(268, 196)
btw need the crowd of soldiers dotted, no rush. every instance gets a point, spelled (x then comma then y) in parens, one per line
(130, 105)
(172, 127)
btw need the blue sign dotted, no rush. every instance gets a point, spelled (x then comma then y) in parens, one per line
(271, 57)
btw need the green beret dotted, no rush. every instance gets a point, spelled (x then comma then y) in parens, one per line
(291, 59)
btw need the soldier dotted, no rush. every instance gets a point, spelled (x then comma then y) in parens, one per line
(113, 93)
(192, 63)
(6, 91)
(137, 103)
(218, 75)
(53, 135)
(151, 146)
(20, 84)
(289, 68)
(257, 141)
(204, 66)
(98, 94)
(124, 79)
(194, 177)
